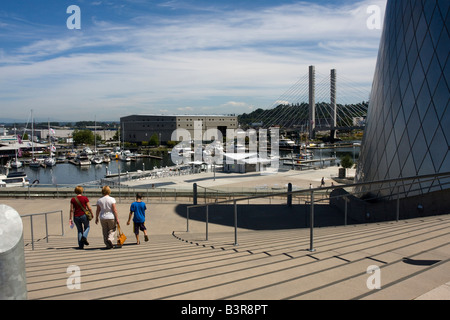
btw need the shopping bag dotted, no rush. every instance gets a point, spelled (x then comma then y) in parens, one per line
(121, 237)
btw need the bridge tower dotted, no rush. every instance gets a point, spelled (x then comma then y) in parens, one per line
(312, 102)
(333, 104)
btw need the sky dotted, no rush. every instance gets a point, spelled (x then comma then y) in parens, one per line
(174, 56)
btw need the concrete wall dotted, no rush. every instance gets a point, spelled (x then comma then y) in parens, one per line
(360, 211)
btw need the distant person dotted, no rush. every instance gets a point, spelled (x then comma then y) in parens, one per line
(107, 212)
(138, 208)
(78, 205)
(322, 182)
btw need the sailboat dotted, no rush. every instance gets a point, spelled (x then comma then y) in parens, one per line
(96, 159)
(125, 156)
(34, 163)
(16, 163)
(50, 161)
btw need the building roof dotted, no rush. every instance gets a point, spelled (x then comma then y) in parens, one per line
(179, 115)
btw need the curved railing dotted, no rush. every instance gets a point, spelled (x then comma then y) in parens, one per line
(421, 187)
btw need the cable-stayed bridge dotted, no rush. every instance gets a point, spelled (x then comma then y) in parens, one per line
(314, 104)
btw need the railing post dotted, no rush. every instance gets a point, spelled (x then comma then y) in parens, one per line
(235, 224)
(289, 197)
(62, 224)
(46, 227)
(346, 208)
(207, 214)
(187, 219)
(311, 222)
(398, 203)
(32, 234)
(194, 194)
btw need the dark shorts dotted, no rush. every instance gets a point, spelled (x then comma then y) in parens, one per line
(139, 226)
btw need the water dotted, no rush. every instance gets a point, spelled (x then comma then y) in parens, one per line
(67, 173)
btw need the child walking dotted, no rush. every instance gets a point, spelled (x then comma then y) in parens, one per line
(138, 208)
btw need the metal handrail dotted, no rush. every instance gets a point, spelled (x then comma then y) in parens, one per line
(31, 215)
(312, 201)
(161, 192)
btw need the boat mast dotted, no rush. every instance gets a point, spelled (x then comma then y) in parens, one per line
(32, 136)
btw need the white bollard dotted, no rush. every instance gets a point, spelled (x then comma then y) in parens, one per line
(13, 281)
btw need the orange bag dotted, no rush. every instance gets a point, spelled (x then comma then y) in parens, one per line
(121, 237)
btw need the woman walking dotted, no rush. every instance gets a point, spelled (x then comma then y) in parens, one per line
(78, 205)
(107, 212)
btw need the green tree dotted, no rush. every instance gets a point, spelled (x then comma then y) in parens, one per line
(347, 162)
(154, 141)
(83, 136)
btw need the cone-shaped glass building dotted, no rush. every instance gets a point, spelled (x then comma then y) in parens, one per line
(408, 123)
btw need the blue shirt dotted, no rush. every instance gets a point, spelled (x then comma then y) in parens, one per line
(139, 211)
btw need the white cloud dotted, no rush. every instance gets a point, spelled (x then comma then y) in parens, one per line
(231, 61)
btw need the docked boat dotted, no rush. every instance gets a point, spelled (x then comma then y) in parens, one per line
(125, 156)
(88, 151)
(35, 163)
(14, 179)
(71, 155)
(61, 158)
(50, 161)
(83, 159)
(16, 164)
(286, 143)
(97, 160)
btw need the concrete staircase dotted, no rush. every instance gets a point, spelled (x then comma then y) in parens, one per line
(413, 257)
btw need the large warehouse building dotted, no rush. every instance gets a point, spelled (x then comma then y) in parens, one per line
(140, 128)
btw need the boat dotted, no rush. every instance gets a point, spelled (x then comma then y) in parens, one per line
(71, 155)
(97, 160)
(125, 156)
(50, 161)
(83, 159)
(308, 155)
(114, 155)
(14, 179)
(16, 163)
(61, 158)
(286, 143)
(34, 163)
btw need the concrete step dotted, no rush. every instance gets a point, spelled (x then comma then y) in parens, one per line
(412, 256)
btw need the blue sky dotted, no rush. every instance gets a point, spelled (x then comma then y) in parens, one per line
(174, 56)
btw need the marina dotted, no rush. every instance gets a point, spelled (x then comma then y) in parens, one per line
(81, 170)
